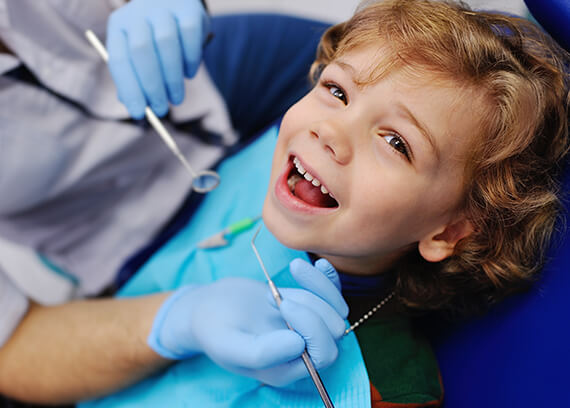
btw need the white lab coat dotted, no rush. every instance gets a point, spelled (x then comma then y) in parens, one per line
(82, 187)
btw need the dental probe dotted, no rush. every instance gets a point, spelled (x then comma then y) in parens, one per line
(305, 356)
(202, 181)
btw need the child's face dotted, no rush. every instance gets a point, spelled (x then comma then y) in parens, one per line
(393, 186)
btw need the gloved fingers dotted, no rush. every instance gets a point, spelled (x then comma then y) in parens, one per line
(193, 24)
(334, 322)
(247, 351)
(319, 341)
(128, 89)
(329, 271)
(169, 50)
(147, 67)
(279, 375)
(314, 280)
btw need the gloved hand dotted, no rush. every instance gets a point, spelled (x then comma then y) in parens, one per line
(319, 326)
(152, 45)
(235, 322)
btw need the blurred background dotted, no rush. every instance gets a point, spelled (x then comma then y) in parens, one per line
(336, 10)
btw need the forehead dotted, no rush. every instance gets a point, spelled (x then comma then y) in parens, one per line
(371, 61)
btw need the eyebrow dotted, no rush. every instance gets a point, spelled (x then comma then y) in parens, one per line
(345, 67)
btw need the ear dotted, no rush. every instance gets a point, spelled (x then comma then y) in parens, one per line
(437, 246)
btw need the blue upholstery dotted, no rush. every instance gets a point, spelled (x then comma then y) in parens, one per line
(554, 17)
(260, 63)
(518, 355)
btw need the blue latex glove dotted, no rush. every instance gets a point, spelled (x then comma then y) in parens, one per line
(152, 45)
(235, 322)
(310, 319)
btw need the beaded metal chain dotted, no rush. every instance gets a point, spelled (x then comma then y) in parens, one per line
(369, 313)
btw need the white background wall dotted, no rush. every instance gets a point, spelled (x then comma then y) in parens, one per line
(335, 10)
(325, 10)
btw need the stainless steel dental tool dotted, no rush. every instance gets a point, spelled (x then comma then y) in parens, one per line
(305, 356)
(202, 181)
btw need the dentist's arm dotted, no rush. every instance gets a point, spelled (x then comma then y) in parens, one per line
(153, 45)
(91, 348)
(79, 350)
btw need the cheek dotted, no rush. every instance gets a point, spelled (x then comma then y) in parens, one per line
(392, 209)
(301, 112)
(296, 121)
(290, 124)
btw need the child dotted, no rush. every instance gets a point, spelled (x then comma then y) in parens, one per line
(423, 165)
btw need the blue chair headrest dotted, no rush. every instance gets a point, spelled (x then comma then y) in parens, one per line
(554, 17)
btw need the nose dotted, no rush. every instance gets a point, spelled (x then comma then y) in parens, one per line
(334, 136)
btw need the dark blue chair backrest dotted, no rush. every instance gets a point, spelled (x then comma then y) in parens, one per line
(554, 17)
(518, 355)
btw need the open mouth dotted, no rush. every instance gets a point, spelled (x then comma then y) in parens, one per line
(307, 187)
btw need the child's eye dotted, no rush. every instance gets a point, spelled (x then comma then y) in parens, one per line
(398, 144)
(337, 92)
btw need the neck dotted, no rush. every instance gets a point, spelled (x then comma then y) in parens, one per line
(363, 266)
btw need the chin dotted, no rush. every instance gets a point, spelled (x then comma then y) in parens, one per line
(286, 232)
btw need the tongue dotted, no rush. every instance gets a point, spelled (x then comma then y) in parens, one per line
(313, 195)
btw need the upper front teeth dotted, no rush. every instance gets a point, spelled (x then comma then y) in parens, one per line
(308, 176)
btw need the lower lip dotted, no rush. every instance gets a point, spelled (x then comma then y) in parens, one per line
(292, 203)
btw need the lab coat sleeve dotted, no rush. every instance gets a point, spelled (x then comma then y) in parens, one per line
(13, 305)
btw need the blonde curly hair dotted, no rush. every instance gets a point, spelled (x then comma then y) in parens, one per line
(512, 196)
